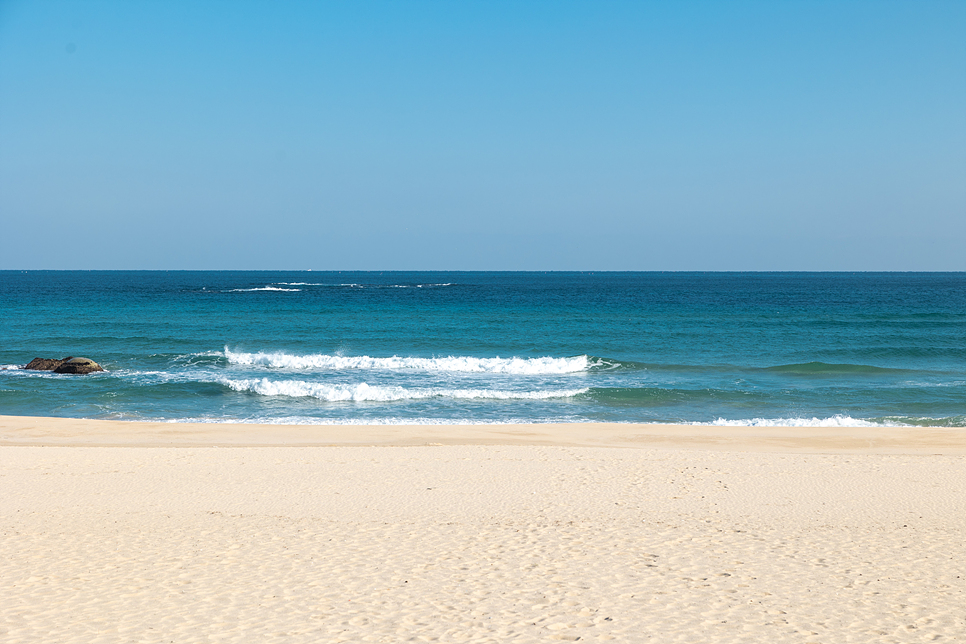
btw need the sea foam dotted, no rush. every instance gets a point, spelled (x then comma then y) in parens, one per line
(524, 366)
(264, 288)
(832, 421)
(365, 392)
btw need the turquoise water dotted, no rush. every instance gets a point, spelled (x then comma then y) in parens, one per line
(398, 347)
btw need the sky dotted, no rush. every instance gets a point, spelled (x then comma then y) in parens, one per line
(483, 135)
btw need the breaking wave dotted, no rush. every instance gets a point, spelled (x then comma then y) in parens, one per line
(364, 392)
(527, 366)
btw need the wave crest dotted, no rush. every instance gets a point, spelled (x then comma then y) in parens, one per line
(824, 369)
(364, 392)
(525, 366)
(264, 288)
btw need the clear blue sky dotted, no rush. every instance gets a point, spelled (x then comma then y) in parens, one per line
(483, 135)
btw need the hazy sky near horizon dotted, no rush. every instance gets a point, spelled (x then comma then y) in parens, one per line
(483, 135)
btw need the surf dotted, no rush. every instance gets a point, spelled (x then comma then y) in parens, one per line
(364, 392)
(466, 364)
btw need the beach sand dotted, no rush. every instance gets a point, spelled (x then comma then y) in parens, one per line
(157, 532)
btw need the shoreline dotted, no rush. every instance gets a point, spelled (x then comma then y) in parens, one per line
(51, 431)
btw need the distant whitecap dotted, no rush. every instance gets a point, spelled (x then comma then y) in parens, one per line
(264, 288)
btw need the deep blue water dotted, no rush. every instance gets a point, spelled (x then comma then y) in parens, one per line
(334, 347)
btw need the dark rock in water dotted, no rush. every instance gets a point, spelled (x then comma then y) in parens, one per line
(44, 364)
(66, 365)
(78, 365)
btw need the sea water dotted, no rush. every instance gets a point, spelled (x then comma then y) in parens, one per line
(491, 347)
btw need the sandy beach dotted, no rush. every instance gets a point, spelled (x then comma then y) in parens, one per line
(161, 532)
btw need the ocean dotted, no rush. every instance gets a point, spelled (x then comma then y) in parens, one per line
(303, 347)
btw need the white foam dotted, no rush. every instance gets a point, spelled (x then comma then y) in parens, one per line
(832, 421)
(313, 420)
(17, 370)
(364, 392)
(188, 356)
(527, 366)
(264, 288)
(926, 385)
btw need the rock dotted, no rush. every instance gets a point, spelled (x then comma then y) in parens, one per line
(45, 364)
(69, 364)
(78, 365)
